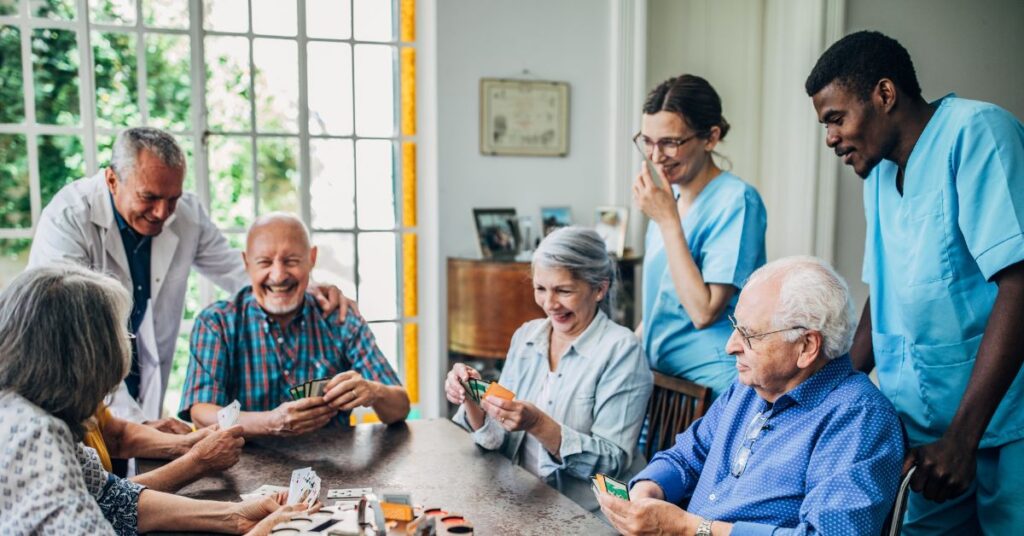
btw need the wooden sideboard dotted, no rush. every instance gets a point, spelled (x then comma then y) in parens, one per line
(489, 299)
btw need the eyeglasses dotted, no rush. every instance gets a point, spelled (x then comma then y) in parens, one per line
(748, 336)
(667, 146)
(757, 424)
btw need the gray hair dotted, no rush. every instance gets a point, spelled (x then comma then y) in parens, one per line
(159, 143)
(812, 295)
(583, 253)
(64, 340)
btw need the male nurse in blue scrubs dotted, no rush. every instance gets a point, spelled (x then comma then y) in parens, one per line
(944, 257)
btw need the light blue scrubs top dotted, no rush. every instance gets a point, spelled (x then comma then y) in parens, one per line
(929, 256)
(725, 231)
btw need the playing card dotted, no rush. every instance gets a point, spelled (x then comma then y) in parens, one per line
(348, 493)
(318, 387)
(478, 388)
(614, 487)
(300, 485)
(228, 415)
(263, 491)
(496, 389)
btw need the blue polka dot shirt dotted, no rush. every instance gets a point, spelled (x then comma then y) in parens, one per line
(825, 458)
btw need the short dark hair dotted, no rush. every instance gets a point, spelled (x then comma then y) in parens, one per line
(693, 98)
(859, 60)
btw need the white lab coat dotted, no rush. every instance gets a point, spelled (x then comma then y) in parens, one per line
(78, 226)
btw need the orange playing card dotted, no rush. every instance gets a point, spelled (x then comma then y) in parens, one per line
(497, 390)
(397, 512)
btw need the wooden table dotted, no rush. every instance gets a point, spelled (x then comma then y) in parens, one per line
(434, 460)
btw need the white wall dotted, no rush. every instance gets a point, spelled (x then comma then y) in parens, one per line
(564, 40)
(971, 48)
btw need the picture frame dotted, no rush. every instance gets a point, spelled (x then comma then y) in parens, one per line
(524, 117)
(552, 218)
(610, 223)
(497, 231)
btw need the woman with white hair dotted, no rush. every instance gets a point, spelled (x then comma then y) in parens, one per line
(581, 381)
(64, 345)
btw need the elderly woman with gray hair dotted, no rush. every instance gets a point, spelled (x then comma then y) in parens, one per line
(581, 380)
(63, 347)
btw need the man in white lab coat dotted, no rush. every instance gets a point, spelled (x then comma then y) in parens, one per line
(133, 220)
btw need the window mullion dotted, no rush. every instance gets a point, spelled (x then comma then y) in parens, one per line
(198, 90)
(87, 88)
(141, 76)
(305, 166)
(254, 149)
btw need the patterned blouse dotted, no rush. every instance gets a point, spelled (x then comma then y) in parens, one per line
(51, 485)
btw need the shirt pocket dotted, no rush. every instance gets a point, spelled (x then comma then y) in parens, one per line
(927, 237)
(581, 413)
(944, 370)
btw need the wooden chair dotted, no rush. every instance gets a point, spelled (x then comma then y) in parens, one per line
(674, 404)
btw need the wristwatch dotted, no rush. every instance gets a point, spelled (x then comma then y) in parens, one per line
(704, 528)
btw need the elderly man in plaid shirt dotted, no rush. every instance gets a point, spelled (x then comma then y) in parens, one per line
(271, 337)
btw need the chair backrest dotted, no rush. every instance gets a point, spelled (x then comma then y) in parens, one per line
(894, 523)
(674, 404)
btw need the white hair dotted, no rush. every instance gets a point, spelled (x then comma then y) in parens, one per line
(814, 296)
(583, 253)
(159, 143)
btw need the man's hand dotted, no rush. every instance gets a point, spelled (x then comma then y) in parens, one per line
(330, 299)
(453, 390)
(170, 425)
(514, 415)
(219, 450)
(301, 416)
(945, 469)
(646, 489)
(646, 516)
(349, 390)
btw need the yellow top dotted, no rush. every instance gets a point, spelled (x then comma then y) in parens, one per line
(94, 435)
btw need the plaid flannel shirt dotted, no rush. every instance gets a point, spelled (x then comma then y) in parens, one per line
(239, 352)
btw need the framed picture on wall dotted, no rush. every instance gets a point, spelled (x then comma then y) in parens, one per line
(610, 224)
(552, 218)
(497, 231)
(524, 117)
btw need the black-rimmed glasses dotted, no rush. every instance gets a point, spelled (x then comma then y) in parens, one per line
(667, 146)
(757, 424)
(748, 336)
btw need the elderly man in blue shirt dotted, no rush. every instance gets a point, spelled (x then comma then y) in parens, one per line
(800, 444)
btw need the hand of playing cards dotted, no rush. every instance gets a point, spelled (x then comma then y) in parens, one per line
(304, 487)
(477, 390)
(309, 389)
(606, 484)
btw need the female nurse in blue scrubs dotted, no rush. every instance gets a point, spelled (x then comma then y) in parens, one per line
(705, 237)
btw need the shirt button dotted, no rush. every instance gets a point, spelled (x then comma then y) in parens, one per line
(551, 402)
(140, 287)
(280, 340)
(712, 497)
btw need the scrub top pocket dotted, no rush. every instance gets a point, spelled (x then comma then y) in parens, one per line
(944, 371)
(927, 236)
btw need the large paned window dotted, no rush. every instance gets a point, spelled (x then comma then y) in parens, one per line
(303, 106)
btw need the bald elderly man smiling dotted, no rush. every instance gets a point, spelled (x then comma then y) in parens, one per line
(271, 337)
